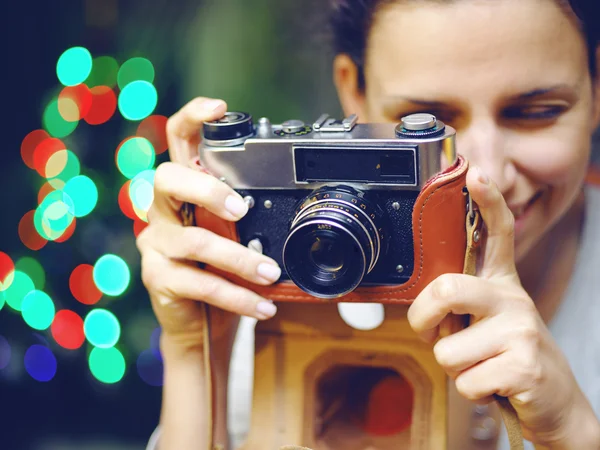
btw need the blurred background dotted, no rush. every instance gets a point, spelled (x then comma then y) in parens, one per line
(87, 88)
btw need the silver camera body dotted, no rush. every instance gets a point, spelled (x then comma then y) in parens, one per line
(331, 201)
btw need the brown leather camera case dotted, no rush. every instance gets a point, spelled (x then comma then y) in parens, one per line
(439, 237)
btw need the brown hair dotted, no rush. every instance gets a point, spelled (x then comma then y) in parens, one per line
(350, 22)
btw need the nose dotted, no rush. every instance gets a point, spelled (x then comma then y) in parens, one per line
(484, 144)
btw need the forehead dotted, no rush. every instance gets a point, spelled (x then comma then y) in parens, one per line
(472, 46)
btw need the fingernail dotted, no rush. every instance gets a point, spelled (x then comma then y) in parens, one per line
(212, 105)
(266, 309)
(482, 177)
(269, 271)
(236, 206)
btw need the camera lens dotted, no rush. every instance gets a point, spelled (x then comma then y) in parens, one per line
(327, 254)
(333, 242)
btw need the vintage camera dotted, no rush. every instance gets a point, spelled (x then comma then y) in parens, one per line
(332, 201)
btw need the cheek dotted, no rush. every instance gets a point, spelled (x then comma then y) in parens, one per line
(554, 160)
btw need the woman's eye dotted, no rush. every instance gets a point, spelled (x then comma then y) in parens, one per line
(535, 112)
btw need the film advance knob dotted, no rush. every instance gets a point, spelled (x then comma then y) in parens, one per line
(419, 122)
(233, 125)
(419, 126)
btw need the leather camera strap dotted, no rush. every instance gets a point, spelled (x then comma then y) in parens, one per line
(473, 223)
(509, 415)
(188, 219)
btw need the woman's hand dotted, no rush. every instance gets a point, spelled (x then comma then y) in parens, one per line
(170, 252)
(507, 350)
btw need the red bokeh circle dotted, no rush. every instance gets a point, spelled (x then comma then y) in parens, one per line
(83, 288)
(67, 329)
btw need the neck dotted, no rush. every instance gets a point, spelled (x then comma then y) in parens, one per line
(546, 270)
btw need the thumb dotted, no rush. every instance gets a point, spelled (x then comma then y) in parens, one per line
(498, 258)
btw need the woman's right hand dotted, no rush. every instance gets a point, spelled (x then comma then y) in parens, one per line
(170, 252)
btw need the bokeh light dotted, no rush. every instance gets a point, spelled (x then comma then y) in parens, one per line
(88, 92)
(141, 192)
(5, 353)
(29, 144)
(104, 105)
(82, 285)
(18, 289)
(102, 329)
(40, 363)
(84, 194)
(7, 267)
(67, 233)
(138, 227)
(135, 69)
(111, 275)
(150, 368)
(33, 269)
(61, 167)
(44, 151)
(154, 128)
(125, 201)
(104, 72)
(74, 66)
(67, 329)
(54, 215)
(54, 122)
(74, 102)
(38, 310)
(137, 100)
(135, 155)
(46, 189)
(28, 234)
(107, 364)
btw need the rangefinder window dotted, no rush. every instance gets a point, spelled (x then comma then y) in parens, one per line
(356, 164)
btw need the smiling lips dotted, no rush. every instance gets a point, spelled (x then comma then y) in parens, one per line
(520, 209)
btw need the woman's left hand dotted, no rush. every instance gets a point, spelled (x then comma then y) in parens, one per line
(507, 350)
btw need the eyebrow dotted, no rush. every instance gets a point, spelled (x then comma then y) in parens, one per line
(559, 88)
(390, 104)
(563, 88)
(416, 101)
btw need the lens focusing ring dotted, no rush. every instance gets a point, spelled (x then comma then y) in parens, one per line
(300, 266)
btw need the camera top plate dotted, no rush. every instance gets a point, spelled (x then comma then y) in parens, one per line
(294, 154)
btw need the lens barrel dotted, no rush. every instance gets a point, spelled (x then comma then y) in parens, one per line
(334, 241)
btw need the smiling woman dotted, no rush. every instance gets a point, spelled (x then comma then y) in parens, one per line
(519, 95)
(517, 79)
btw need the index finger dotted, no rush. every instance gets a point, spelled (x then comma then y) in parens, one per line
(457, 294)
(175, 184)
(183, 127)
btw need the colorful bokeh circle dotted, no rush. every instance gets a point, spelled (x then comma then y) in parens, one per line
(111, 275)
(101, 328)
(107, 364)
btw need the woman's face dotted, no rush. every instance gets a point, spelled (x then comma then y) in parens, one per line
(511, 76)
